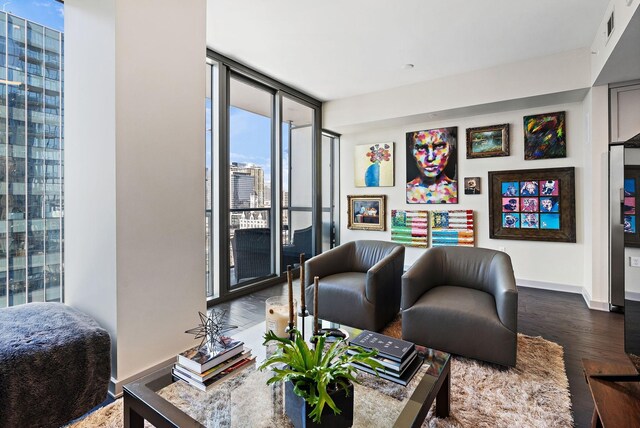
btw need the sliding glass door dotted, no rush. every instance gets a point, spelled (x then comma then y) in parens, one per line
(263, 179)
(251, 144)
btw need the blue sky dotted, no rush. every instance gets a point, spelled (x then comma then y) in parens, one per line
(49, 13)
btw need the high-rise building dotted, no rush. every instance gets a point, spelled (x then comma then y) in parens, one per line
(31, 162)
(256, 173)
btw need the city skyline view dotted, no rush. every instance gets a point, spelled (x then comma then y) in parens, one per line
(49, 13)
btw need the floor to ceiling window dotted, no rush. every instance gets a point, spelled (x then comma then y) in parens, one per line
(263, 205)
(31, 165)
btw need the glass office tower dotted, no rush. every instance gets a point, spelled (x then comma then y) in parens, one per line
(31, 162)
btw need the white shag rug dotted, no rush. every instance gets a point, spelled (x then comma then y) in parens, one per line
(533, 394)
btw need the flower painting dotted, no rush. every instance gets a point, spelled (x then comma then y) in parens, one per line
(545, 136)
(373, 165)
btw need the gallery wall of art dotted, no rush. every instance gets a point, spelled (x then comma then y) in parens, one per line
(557, 263)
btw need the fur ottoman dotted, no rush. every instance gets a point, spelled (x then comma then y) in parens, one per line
(55, 365)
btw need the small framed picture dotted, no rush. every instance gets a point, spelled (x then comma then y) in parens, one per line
(366, 212)
(472, 185)
(488, 141)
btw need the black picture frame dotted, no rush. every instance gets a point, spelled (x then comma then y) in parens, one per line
(565, 179)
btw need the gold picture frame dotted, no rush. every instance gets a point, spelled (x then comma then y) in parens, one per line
(488, 141)
(366, 212)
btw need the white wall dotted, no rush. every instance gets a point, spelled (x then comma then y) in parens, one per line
(134, 159)
(553, 263)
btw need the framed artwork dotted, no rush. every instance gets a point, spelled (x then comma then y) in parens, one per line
(545, 136)
(373, 165)
(629, 210)
(432, 166)
(366, 212)
(452, 228)
(533, 204)
(488, 141)
(410, 228)
(472, 185)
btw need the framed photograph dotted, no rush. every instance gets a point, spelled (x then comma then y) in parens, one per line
(432, 166)
(545, 136)
(366, 212)
(488, 141)
(472, 185)
(533, 204)
(373, 165)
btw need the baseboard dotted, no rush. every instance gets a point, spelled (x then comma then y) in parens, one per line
(115, 386)
(575, 289)
(632, 295)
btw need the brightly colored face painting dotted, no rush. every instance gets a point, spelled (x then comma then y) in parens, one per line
(531, 204)
(431, 151)
(431, 169)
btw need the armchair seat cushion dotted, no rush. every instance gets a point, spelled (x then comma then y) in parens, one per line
(342, 295)
(449, 318)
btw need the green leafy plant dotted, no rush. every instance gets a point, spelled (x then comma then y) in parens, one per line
(315, 373)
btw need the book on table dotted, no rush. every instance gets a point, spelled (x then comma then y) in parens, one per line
(201, 359)
(391, 365)
(208, 374)
(390, 348)
(403, 378)
(226, 374)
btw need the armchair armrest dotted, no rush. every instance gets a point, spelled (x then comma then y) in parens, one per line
(425, 273)
(336, 260)
(380, 277)
(503, 287)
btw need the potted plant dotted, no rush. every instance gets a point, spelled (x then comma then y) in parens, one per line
(315, 378)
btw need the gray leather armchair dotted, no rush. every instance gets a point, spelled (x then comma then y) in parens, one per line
(359, 283)
(463, 301)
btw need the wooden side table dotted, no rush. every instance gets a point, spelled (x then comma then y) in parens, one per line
(615, 389)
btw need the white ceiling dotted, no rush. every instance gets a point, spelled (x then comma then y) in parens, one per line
(333, 49)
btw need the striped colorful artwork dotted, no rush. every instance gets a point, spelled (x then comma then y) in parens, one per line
(453, 227)
(410, 228)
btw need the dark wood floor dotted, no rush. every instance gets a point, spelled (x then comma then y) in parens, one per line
(560, 317)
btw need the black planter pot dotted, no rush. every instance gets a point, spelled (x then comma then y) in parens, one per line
(298, 410)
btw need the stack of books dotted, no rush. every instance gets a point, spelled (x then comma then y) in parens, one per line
(203, 368)
(399, 358)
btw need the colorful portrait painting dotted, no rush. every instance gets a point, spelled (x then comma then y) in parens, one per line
(432, 166)
(529, 188)
(629, 205)
(549, 187)
(545, 136)
(510, 188)
(549, 204)
(529, 221)
(373, 165)
(510, 204)
(511, 221)
(529, 204)
(629, 224)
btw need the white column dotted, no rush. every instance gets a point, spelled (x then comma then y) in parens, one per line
(134, 173)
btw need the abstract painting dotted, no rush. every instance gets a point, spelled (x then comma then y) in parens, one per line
(410, 228)
(373, 165)
(630, 205)
(488, 141)
(432, 166)
(545, 136)
(452, 228)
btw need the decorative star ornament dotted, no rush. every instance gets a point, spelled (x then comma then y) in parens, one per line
(211, 329)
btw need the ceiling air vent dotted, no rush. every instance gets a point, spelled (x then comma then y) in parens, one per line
(610, 25)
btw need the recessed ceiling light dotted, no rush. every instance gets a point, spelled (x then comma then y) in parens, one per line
(408, 66)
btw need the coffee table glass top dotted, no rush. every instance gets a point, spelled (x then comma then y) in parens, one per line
(246, 399)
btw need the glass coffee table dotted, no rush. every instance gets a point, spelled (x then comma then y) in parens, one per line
(246, 400)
